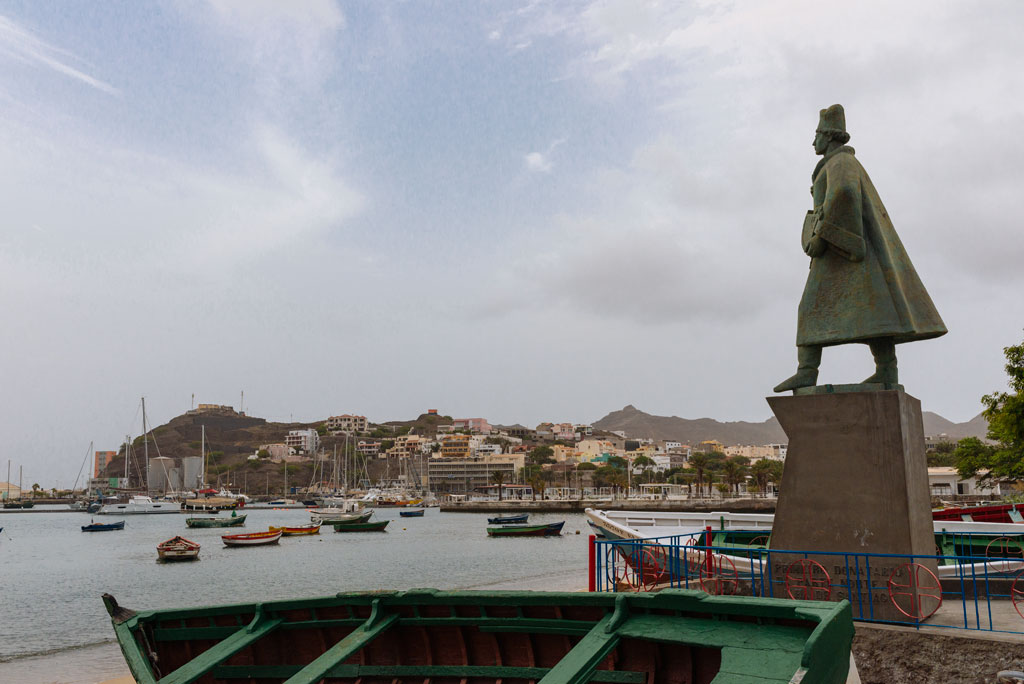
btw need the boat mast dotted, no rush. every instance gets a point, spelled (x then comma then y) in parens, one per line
(202, 453)
(145, 443)
(8, 479)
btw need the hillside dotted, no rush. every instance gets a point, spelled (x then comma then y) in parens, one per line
(636, 423)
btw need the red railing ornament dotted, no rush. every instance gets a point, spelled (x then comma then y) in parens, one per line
(718, 576)
(808, 580)
(1017, 593)
(915, 591)
(653, 567)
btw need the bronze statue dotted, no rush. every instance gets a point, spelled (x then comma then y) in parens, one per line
(862, 286)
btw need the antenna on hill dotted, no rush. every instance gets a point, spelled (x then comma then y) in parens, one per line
(241, 403)
(193, 401)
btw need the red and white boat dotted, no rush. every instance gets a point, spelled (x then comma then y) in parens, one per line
(252, 539)
(177, 549)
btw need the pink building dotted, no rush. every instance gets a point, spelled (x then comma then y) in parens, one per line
(479, 426)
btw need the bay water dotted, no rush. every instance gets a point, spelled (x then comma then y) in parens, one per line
(54, 629)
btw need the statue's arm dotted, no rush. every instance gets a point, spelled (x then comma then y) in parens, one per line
(841, 226)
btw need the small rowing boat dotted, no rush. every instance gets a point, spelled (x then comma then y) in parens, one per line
(103, 527)
(340, 518)
(550, 530)
(177, 549)
(252, 539)
(236, 521)
(416, 513)
(376, 526)
(508, 519)
(298, 530)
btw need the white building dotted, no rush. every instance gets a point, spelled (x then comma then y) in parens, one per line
(305, 441)
(945, 481)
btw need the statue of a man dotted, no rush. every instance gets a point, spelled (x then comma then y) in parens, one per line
(862, 286)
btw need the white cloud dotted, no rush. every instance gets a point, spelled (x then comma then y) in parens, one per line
(288, 42)
(541, 161)
(20, 44)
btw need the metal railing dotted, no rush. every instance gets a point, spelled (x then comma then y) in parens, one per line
(973, 582)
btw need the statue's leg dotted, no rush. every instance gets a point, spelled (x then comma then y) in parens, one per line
(808, 359)
(884, 351)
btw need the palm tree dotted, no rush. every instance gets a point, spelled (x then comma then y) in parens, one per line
(761, 472)
(700, 462)
(734, 473)
(498, 478)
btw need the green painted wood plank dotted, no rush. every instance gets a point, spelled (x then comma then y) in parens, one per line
(189, 633)
(137, 661)
(580, 663)
(420, 672)
(375, 625)
(207, 660)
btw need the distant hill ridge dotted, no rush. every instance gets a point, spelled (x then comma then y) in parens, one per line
(636, 423)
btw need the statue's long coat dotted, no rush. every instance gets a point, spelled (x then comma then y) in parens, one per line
(863, 286)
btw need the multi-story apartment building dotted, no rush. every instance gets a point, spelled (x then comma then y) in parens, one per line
(368, 447)
(278, 452)
(596, 449)
(304, 441)
(408, 445)
(101, 460)
(562, 453)
(455, 446)
(347, 423)
(464, 475)
(478, 426)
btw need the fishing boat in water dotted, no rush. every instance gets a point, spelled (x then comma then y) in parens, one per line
(232, 521)
(103, 527)
(251, 539)
(509, 519)
(177, 549)
(297, 531)
(414, 513)
(993, 513)
(548, 530)
(670, 637)
(340, 518)
(376, 526)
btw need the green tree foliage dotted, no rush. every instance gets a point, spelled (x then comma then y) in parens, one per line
(734, 472)
(541, 455)
(1004, 411)
(617, 462)
(587, 466)
(498, 478)
(700, 463)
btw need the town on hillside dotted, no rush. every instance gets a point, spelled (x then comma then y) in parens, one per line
(214, 448)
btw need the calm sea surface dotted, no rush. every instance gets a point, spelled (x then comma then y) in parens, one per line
(53, 627)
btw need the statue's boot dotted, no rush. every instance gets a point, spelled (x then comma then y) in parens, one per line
(808, 360)
(884, 352)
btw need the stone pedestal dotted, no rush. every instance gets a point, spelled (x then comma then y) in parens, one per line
(856, 481)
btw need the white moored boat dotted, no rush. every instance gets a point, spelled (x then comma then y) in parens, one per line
(139, 504)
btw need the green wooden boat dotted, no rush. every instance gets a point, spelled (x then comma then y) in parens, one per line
(375, 526)
(237, 521)
(674, 636)
(342, 518)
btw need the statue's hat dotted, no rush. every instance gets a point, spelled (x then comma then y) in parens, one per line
(833, 119)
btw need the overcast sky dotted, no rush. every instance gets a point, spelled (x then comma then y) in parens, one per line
(521, 211)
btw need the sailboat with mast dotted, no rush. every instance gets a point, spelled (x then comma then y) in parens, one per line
(139, 503)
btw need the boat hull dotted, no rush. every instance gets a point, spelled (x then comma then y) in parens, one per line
(377, 526)
(301, 531)
(178, 549)
(103, 527)
(488, 637)
(412, 514)
(508, 519)
(550, 530)
(253, 539)
(237, 521)
(341, 518)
